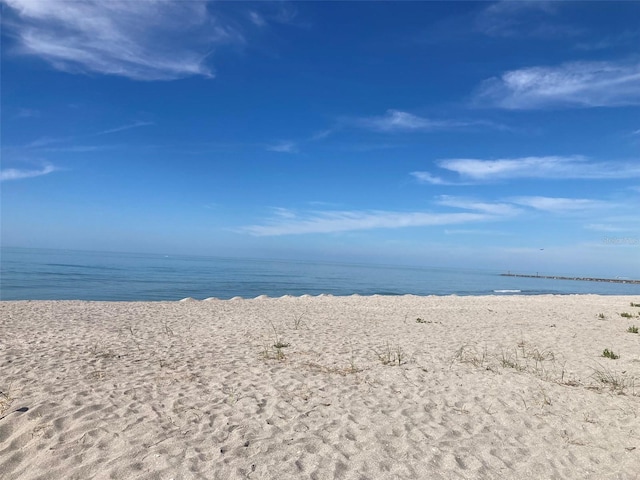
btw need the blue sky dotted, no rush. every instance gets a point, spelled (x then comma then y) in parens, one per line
(502, 135)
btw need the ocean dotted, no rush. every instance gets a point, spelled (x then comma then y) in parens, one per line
(38, 274)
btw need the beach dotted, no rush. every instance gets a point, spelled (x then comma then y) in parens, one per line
(322, 387)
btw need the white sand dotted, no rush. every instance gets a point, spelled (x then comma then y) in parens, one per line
(487, 388)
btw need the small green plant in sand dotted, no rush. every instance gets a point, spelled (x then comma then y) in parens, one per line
(232, 395)
(297, 321)
(610, 354)
(632, 329)
(635, 304)
(626, 315)
(278, 346)
(601, 316)
(511, 361)
(275, 350)
(277, 340)
(420, 320)
(392, 356)
(352, 366)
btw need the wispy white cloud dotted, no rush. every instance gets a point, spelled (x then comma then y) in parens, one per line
(510, 207)
(604, 227)
(257, 19)
(46, 142)
(463, 231)
(140, 40)
(426, 177)
(287, 14)
(78, 148)
(18, 174)
(283, 212)
(28, 113)
(549, 167)
(362, 146)
(283, 147)
(395, 120)
(530, 19)
(320, 203)
(560, 204)
(290, 146)
(123, 127)
(324, 222)
(512, 167)
(502, 19)
(398, 121)
(577, 84)
(627, 37)
(493, 208)
(266, 13)
(284, 221)
(322, 134)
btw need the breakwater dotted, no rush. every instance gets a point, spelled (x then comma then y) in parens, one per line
(582, 279)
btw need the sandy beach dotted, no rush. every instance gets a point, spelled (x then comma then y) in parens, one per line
(408, 387)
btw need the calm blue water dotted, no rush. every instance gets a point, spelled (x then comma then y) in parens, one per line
(33, 274)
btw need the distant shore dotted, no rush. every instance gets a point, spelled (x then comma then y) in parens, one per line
(581, 279)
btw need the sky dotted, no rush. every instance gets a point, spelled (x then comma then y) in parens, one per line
(489, 135)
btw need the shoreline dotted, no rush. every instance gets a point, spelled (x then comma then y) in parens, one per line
(500, 293)
(495, 386)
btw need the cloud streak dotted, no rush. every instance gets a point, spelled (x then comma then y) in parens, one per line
(326, 222)
(288, 222)
(627, 37)
(28, 113)
(283, 147)
(475, 232)
(522, 19)
(603, 227)
(426, 177)
(398, 121)
(17, 174)
(123, 127)
(473, 170)
(140, 40)
(392, 122)
(559, 204)
(576, 84)
(47, 141)
(502, 209)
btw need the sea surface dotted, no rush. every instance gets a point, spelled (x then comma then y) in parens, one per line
(36, 274)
